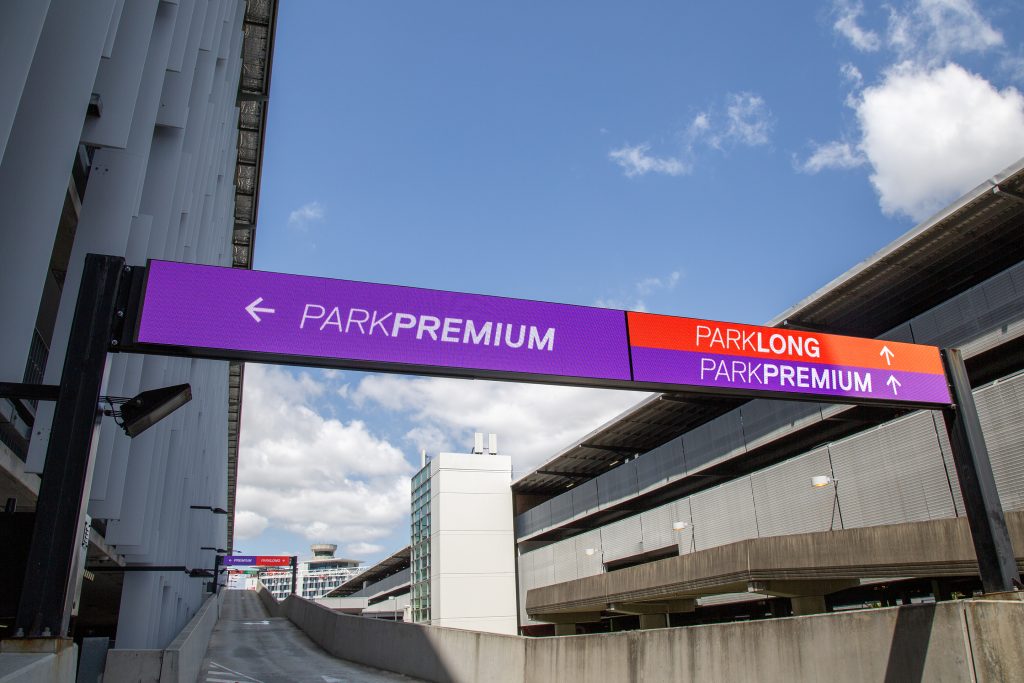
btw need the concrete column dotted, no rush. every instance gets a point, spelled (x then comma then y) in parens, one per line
(808, 604)
(653, 621)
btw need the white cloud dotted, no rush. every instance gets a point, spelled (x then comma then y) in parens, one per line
(932, 134)
(851, 74)
(328, 480)
(532, 421)
(636, 161)
(833, 155)
(249, 524)
(846, 25)
(749, 120)
(301, 217)
(931, 31)
(632, 299)
(361, 549)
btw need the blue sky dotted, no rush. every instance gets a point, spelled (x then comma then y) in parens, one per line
(665, 156)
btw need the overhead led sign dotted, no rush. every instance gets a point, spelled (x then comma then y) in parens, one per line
(252, 315)
(257, 561)
(744, 358)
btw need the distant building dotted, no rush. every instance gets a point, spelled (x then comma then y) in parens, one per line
(381, 592)
(463, 560)
(316, 577)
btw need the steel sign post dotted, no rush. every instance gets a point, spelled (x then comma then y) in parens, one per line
(996, 561)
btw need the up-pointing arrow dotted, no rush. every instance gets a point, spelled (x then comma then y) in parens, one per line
(888, 355)
(894, 383)
(252, 310)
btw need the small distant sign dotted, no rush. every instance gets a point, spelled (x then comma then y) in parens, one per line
(257, 561)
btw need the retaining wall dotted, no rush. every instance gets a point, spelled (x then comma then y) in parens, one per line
(180, 662)
(950, 641)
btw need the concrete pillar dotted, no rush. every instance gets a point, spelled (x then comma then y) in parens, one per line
(808, 604)
(653, 621)
(565, 629)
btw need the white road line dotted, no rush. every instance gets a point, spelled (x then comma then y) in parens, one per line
(221, 666)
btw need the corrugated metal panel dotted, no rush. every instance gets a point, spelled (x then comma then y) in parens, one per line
(786, 503)
(947, 458)
(622, 538)
(584, 498)
(525, 577)
(764, 420)
(724, 514)
(543, 567)
(561, 509)
(1001, 410)
(535, 519)
(617, 484)
(588, 565)
(657, 467)
(892, 474)
(564, 560)
(719, 439)
(901, 333)
(657, 525)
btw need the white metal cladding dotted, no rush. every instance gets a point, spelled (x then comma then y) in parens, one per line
(724, 514)
(622, 538)
(587, 565)
(785, 501)
(947, 458)
(764, 420)
(891, 474)
(657, 525)
(714, 441)
(157, 189)
(563, 557)
(617, 485)
(1001, 410)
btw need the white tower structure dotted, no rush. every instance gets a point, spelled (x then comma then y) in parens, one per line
(463, 558)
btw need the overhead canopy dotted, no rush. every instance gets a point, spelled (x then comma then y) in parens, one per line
(974, 238)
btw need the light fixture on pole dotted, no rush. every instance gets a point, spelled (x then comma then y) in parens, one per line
(680, 527)
(214, 510)
(136, 415)
(822, 481)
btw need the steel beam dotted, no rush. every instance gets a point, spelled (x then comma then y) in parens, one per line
(991, 539)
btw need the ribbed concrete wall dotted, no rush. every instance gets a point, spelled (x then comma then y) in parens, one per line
(950, 641)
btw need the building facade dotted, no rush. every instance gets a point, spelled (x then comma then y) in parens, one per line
(673, 476)
(316, 577)
(462, 557)
(133, 129)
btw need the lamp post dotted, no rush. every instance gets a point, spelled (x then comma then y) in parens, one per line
(823, 481)
(680, 527)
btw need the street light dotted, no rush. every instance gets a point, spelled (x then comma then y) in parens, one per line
(214, 510)
(823, 481)
(680, 527)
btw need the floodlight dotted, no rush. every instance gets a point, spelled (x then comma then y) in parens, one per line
(679, 526)
(214, 510)
(590, 551)
(822, 481)
(136, 415)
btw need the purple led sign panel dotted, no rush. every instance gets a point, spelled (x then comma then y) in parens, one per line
(208, 307)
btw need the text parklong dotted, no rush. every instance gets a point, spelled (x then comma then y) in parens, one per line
(451, 330)
(794, 376)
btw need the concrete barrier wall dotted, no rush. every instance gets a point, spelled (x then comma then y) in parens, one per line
(179, 663)
(943, 642)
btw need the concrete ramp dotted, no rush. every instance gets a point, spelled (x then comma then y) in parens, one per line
(249, 645)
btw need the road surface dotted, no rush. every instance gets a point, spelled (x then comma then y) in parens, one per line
(249, 646)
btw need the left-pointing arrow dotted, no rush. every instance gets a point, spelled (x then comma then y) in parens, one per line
(253, 310)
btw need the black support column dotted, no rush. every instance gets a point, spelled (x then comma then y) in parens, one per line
(996, 561)
(45, 606)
